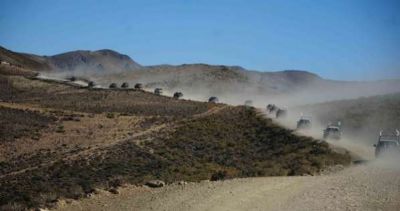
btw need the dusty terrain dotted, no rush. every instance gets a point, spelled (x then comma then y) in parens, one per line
(371, 186)
(61, 142)
(73, 147)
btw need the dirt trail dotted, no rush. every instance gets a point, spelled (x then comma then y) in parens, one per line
(364, 187)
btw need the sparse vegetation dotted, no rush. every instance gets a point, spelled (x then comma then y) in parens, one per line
(16, 123)
(212, 147)
(241, 143)
(231, 142)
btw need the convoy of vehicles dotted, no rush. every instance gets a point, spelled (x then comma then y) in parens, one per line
(387, 145)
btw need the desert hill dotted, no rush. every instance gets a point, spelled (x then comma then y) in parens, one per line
(232, 84)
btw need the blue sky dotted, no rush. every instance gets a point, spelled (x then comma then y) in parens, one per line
(337, 39)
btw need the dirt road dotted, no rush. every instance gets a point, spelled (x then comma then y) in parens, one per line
(364, 187)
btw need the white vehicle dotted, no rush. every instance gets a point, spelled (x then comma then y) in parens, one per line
(388, 145)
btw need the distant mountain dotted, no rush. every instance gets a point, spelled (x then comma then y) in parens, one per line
(232, 84)
(220, 78)
(101, 61)
(28, 61)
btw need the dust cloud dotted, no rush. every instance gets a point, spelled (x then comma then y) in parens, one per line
(315, 98)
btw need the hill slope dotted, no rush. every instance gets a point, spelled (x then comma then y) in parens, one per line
(78, 140)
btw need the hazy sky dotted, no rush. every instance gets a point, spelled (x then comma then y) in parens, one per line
(337, 39)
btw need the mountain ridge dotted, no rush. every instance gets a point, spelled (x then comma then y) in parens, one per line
(69, 61)
(233, 84)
